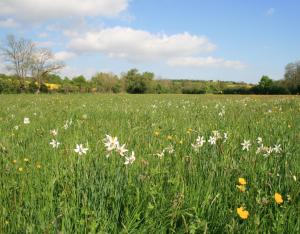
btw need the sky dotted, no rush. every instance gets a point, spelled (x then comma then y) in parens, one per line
(232, 40)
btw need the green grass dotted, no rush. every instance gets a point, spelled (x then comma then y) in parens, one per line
(183, 192)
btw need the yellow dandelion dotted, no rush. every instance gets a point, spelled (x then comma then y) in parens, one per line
(242, 181)
(20, 169)
(169, 137)
(26, 160)
(38, 166)
(156, 133)
(14, 161)
(278, 198)
(244, 214)
(242, 188)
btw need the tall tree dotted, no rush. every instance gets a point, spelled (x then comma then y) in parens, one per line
(43, 63)
(18, 55)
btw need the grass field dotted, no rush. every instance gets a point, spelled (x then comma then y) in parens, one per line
(175, 183)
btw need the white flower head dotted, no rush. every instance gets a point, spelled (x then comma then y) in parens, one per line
(259, 140)
(54, 132)
(277, 149)
(26, 120)
(129, 160)
(54, 144)
(212, 140)
(121, 149)
(170, 149)
(80, 149)
(246, 145)
(111, 143)
(225, 136)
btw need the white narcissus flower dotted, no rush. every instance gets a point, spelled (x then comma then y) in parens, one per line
(80, 149)
(246, 145)
(259, 140)
(111, 143)
(212, 140)
(129, 160)
(54, 132)
(121, 150)
(225, 136)
(54, 144)
(277, 149)
(26, 120)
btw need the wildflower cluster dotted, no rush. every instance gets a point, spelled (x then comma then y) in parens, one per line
(212, 140)
(112, 144)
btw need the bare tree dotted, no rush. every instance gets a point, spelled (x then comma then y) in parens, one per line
(43, 63)
(18, 54)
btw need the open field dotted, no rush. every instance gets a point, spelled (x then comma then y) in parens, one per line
(196, 160)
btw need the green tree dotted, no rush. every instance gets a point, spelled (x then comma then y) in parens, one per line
(138, 83)
(265, 83)
(106, 83)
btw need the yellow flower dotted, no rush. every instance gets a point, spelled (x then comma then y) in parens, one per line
(38, 166)
(242, 212)
(20, 169)
(170, 137)
(14, 161)
(278, 198)
(189, 131)
(156, 133)
(242, 181)
(180, 142)
(242, 188)
(26, 160)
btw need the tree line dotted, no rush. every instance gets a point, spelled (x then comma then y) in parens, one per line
(35, 70)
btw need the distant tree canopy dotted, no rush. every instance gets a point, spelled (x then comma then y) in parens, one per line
(292, 77)
(34, 70)
(136, 82)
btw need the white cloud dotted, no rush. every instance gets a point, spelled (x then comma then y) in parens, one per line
(38, 10)
(270, 11)
(64, 55)
(8, 23)
(136, 45)
(205, 62)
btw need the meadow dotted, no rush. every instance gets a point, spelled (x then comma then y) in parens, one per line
(190, 164)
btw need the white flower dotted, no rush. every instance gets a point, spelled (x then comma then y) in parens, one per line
(111, 143)
(277, 149)
(54, 144)
(129, 160)
(54, 132)
(26, 120)
(161, 155)
(259, 140)
(212, 140)
(225, 137)
(121, 149)
(246, 145)
(80, 149)
(217, 134)
(169, 149)
(199, 143)
(294, 178)
(67, 124)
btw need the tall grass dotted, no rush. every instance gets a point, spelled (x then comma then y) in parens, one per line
(59, 191)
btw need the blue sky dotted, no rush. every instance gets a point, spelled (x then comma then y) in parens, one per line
(238, 40)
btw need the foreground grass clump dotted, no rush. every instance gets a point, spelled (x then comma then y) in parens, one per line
(194, 164)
